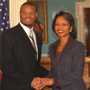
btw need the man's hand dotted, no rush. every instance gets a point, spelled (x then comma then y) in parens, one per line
(45, 82)
(36, 82)
(40, 83)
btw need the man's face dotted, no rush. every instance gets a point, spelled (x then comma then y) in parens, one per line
(28, 15)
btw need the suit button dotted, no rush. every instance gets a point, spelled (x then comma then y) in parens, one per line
(34, 55)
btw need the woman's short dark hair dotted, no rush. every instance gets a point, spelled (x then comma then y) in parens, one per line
(70, 19)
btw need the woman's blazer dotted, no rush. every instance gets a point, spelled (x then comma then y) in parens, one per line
(68, 71)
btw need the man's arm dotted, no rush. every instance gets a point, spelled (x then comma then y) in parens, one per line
(9, 66)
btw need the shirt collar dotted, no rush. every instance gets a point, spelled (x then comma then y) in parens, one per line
(26, 29)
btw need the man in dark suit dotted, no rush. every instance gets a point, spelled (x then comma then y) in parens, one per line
(20, 62)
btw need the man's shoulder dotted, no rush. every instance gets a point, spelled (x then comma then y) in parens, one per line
(38, 34)
(11, 30)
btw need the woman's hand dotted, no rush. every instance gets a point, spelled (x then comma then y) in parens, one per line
(45, 82)
(40, 83)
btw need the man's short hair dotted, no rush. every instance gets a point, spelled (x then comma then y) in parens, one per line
(28, 3)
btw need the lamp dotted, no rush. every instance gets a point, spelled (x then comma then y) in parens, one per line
(54, 13)
(64, 10)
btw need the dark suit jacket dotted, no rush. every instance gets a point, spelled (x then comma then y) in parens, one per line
(19, 64)
(68, 71)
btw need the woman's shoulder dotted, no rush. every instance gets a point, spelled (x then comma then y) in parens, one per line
(78, 44)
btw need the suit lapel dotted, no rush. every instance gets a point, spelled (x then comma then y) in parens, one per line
(38, 40)
(39, 44)
(54, 49)
(24, 36)
(67, 46)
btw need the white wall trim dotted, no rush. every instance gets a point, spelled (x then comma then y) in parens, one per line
(44, 55)
(80, 15)
(14, 8)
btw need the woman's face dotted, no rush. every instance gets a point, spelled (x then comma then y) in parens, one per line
(62, 27)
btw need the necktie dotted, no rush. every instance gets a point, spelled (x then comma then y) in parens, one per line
(33, 39)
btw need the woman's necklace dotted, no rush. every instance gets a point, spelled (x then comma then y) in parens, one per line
(62, 45)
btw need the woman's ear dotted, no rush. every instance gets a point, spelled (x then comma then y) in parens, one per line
(71, 29)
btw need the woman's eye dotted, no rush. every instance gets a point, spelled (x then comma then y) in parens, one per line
(31, 12)
(64, 24)
(57, 24)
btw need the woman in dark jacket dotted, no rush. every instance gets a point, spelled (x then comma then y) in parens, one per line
(67, 56)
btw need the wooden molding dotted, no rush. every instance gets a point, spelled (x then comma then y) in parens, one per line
(80, 15)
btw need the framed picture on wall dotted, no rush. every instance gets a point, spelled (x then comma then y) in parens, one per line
(42, 16)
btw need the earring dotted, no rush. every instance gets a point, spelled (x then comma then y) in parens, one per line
(70, 30)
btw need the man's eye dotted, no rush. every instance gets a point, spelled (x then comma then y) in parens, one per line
(24, 12)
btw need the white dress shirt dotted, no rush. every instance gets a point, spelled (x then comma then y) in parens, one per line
(27, 31)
